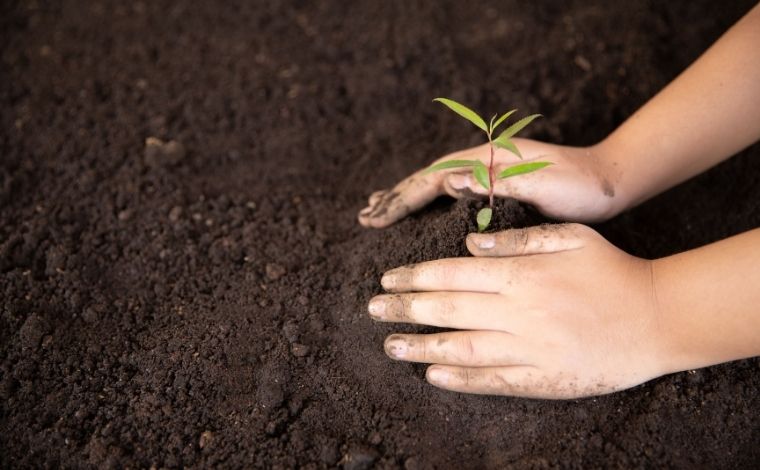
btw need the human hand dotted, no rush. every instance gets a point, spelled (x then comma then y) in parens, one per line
(553, 311)
(580, 186)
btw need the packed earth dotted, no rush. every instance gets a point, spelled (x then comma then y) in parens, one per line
(183, 282)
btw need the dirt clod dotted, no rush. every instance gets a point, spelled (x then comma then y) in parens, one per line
(32, 331)
(159, 153)
(175, 213)
(274, 271)
(359, 458)
(300, 350)
(205, 440)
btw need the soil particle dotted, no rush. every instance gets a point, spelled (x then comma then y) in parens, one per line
(159, 153)
(290, 330)
(55, 260)
(7, 387)
(90, 315)
(295, 405)
(300, 350)
(205, 439)
(274, 271)
(328, 452)
(271, 391)
(175, 213)
(375, 438)
(125, 215)
(412, 463)
(359, 458)
(34, 328)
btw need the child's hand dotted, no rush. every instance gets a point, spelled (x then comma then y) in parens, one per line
(551, 312)
(578, 187)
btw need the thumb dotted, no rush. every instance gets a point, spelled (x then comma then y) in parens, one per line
(548, 238)
(459, 185)
(523, 188)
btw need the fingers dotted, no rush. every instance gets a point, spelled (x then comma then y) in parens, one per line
(388, 206)
(452, 274)
(529, 241)
(525, 187)
(461, 348)
(459, 185)
(375, 197)
(461, 310)
(519, 381)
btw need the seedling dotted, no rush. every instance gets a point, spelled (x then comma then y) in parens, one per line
(483, 174)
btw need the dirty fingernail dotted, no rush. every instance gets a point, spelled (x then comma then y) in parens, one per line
(458, 181)
(377, 308)
(438, 376)
(399, 278)
(485, 242)
(389, 280)
(395, 346)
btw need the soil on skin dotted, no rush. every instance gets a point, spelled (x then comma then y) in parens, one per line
(203, 302)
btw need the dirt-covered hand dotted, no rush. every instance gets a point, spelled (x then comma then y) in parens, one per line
(579, 187)
(553, 311)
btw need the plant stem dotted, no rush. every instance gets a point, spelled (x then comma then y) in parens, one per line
(490, 175)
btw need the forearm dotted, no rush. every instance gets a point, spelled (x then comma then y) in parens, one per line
(710, 112)
(708, 302)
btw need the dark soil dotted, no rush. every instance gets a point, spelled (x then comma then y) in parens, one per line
(203, 302)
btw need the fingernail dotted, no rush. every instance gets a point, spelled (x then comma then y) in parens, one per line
(458, 181)
(366, 210)
(398, 278)
(485, 242)
(438, 376)
(396, 347)
(377, 308)
(388, 280)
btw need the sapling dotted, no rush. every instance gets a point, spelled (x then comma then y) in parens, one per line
(483, 174)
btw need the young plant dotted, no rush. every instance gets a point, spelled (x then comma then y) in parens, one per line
(485, 174)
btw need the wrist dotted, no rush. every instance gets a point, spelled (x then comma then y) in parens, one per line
(610, 169)
(680, 327)
(667, 342)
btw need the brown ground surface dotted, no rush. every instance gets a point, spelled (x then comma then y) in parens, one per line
(204, 304)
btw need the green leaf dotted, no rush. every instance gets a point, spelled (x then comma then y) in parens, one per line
(480, 172)
(502, 118)
(505, 143)
(518, 126)
(465, 112)
(484, 218)
(451, 164)
(522, 168)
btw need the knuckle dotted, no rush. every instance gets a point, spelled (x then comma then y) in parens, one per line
(467, 376)
(515, 241)
(465, 348)
(521, 240)
(500, 383)
(423, 349)
(398, 307)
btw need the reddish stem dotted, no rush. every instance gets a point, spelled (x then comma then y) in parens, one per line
(490, 175)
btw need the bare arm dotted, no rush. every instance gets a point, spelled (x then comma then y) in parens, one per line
(709, 301)
(710, 112)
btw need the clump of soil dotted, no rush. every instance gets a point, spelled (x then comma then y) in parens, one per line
(182, 280)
